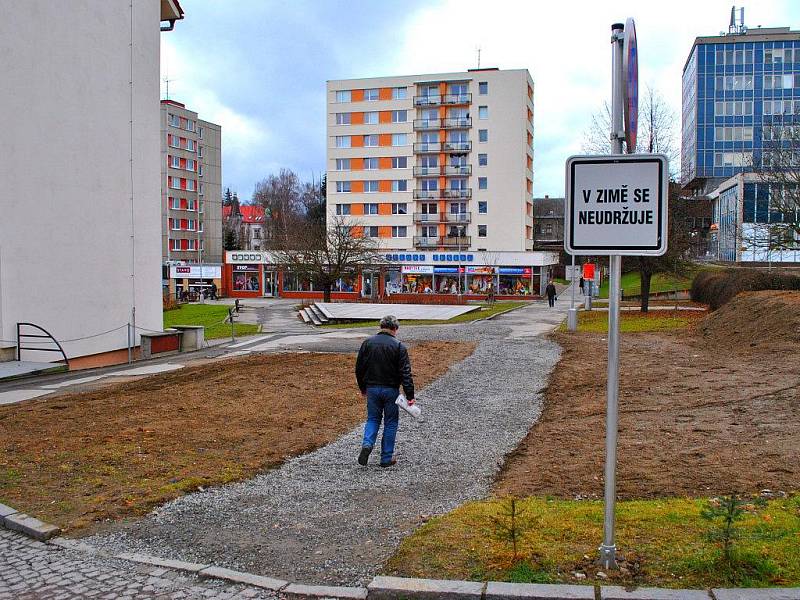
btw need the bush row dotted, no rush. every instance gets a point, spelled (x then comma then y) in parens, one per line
(715, 288)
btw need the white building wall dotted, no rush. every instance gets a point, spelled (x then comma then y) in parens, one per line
(67, 259)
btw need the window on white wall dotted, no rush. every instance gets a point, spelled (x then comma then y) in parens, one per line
(370, 187)
(399, 139)
(343, 96)
(399, 93)
(400, 185)
(343, 187)
(483, 112)
(371, 94)
(343, 141)
(399, 116)
(343, 118)
(371, 118)
(342, 164)
(370, 164)
(399, 162)
(370, 141)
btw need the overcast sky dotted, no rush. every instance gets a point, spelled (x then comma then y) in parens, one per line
(259, 67)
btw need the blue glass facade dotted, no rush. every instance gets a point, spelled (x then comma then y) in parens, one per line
(736, 95)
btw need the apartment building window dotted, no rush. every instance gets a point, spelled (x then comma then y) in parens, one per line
(370, 164)
(429, 161)
(483, 88)
(483, 112)
(342, 209)
(342, 164)
(189, 125)
(191, 185)
(191, 225)
(174, 203)
(399, 116)
(200, 170)
(174, 224)
(174, 162)
(190, 204)
(458, 208)
(481, 230)
(370, 187)
(548, 229)
(483, 207)
(400, 185)
(371, 231)
(399, 231)
(370, 141)
(775, 82)
(399, 139)
(483, 183)
(731, 109)
(343, 118)
(430, 208)
(371, 118)
(399, 162)
(174, 120)
(483, 135)
(429, 231)
(174, 182)
(200, 188)
(483, 160)
(200, 132)
(400, 208)
(200, 151)
(458, 88)
(343, 141)
(458, 184)
(343, 96)
(257, 233)
(191, 145)
(174, 140)
(429, 185)
(343, 187)
(399, 93)
(191, 165)
(736, 134)
(192, 244)
(371, 94)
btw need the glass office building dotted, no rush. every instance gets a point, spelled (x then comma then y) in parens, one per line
(739, 91)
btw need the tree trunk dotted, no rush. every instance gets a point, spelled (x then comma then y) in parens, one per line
(326, 292)
(644, 282)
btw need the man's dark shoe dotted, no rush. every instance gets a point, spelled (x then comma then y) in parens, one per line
(391, 463)
(364, 456)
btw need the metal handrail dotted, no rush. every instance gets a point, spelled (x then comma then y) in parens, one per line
(47, 335)
(456, 122)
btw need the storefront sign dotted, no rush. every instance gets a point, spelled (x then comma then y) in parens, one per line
(450, 270)
(245, 267)
(405, 257)
(249, 257)
(454, 257)
(514, 270)
(195, 272)
(476, 270)
(417, 269)
(617, 205)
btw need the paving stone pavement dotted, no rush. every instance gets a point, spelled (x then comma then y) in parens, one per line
(33, 570)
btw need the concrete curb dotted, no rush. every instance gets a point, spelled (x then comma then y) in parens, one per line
(30, 526)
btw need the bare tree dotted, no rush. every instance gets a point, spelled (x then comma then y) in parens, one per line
(281, 197)
(325, 254)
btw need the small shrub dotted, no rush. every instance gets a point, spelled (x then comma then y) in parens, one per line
(716, 288)
(170, 303)
(724, 513)
(511, 523)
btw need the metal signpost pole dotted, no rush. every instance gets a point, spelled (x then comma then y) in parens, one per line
(608, 549)
(572, 316)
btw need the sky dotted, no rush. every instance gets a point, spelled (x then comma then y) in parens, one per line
(259, 67)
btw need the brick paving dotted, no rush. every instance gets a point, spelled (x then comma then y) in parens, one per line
(32, 570)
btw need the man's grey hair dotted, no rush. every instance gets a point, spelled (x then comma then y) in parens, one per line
(390, 322)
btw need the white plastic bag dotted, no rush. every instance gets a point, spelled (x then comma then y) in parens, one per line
(411, 409)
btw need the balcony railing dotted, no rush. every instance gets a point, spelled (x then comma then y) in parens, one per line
(427, 100)
(455, 241)
(426, 242)
(444, 217)
(456, 123)
(462, 217)
(427, 171)
(425, 147)
(427, 194)
(427, 218)
(457, 170)
(462, 193)
(425, 124)
(456, 146)
(457, 99)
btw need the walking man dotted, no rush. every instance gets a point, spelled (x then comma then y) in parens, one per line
(381, 367)
(581, 285)
(550, 292)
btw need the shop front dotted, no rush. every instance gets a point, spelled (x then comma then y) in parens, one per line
(190, 281)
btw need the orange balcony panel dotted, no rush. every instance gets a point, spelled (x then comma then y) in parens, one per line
(385, 139)
(442, 88)
(357, 118)
(357, 231)
(385, 162)
(356, 141)
(357, 209)
(384, 185)
(442, 111)
(385, 231)
(357, 95)
(385, 116)
(385, 94)
(357, 186)
(356, 164)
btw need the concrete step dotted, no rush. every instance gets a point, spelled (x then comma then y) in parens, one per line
(318, 313)
(304, 315)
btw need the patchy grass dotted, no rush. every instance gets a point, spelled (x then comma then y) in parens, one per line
(663, 542)
(596, 321)
(211, 316)
(483, 312)
(660, 282)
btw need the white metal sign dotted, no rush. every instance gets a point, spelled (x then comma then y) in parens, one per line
(616, 205)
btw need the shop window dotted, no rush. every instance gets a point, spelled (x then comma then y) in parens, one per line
(346, 283)
(245, 279)
(292, 282)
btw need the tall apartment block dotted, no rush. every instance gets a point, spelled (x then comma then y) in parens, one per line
(438, 163)
(741, 98)
(191, 186)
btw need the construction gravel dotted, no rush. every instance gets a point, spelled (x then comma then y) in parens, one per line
(321, 518)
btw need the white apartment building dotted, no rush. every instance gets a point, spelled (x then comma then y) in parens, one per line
(80, 226)
(191, 186)
(439, 169)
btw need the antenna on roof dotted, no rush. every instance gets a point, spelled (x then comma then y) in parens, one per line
(478, 48)
(737, 26)
(167, 80)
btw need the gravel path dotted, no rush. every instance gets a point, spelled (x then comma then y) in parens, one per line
(320, 518)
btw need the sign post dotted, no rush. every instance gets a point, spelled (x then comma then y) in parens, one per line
(616, 206)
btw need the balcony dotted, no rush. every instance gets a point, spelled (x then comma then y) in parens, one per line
(427, 171)
(462, 241)
(462, 217)
(445, 217)
(462, 193)
(428, 147)
(427, 124)
(427, 100)
(456, 123)
(426, 242)
(427, 194)
(456, 169)
(456, 146)
(451, 99)
(427, 218)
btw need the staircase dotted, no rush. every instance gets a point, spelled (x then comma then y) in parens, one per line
(314, 315)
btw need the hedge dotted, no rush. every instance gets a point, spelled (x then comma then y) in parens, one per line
(715, 288)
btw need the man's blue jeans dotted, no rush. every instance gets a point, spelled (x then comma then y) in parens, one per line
(380, 405)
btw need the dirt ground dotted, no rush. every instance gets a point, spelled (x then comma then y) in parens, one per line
(76, 459)
(709, 410)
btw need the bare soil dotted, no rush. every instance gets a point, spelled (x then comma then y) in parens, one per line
(712, 409)
(79, 458)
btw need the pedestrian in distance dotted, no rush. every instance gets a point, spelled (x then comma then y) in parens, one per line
(382, 367)
(213, 291)
(490, 295)
(550, 292)
(581, 284)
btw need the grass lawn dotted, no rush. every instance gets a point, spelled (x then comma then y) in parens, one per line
(484, 311)
(211, 316)
(596, 321)
(660, 282)
(664, 543)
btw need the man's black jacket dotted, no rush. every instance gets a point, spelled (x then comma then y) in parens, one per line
(383, 360)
